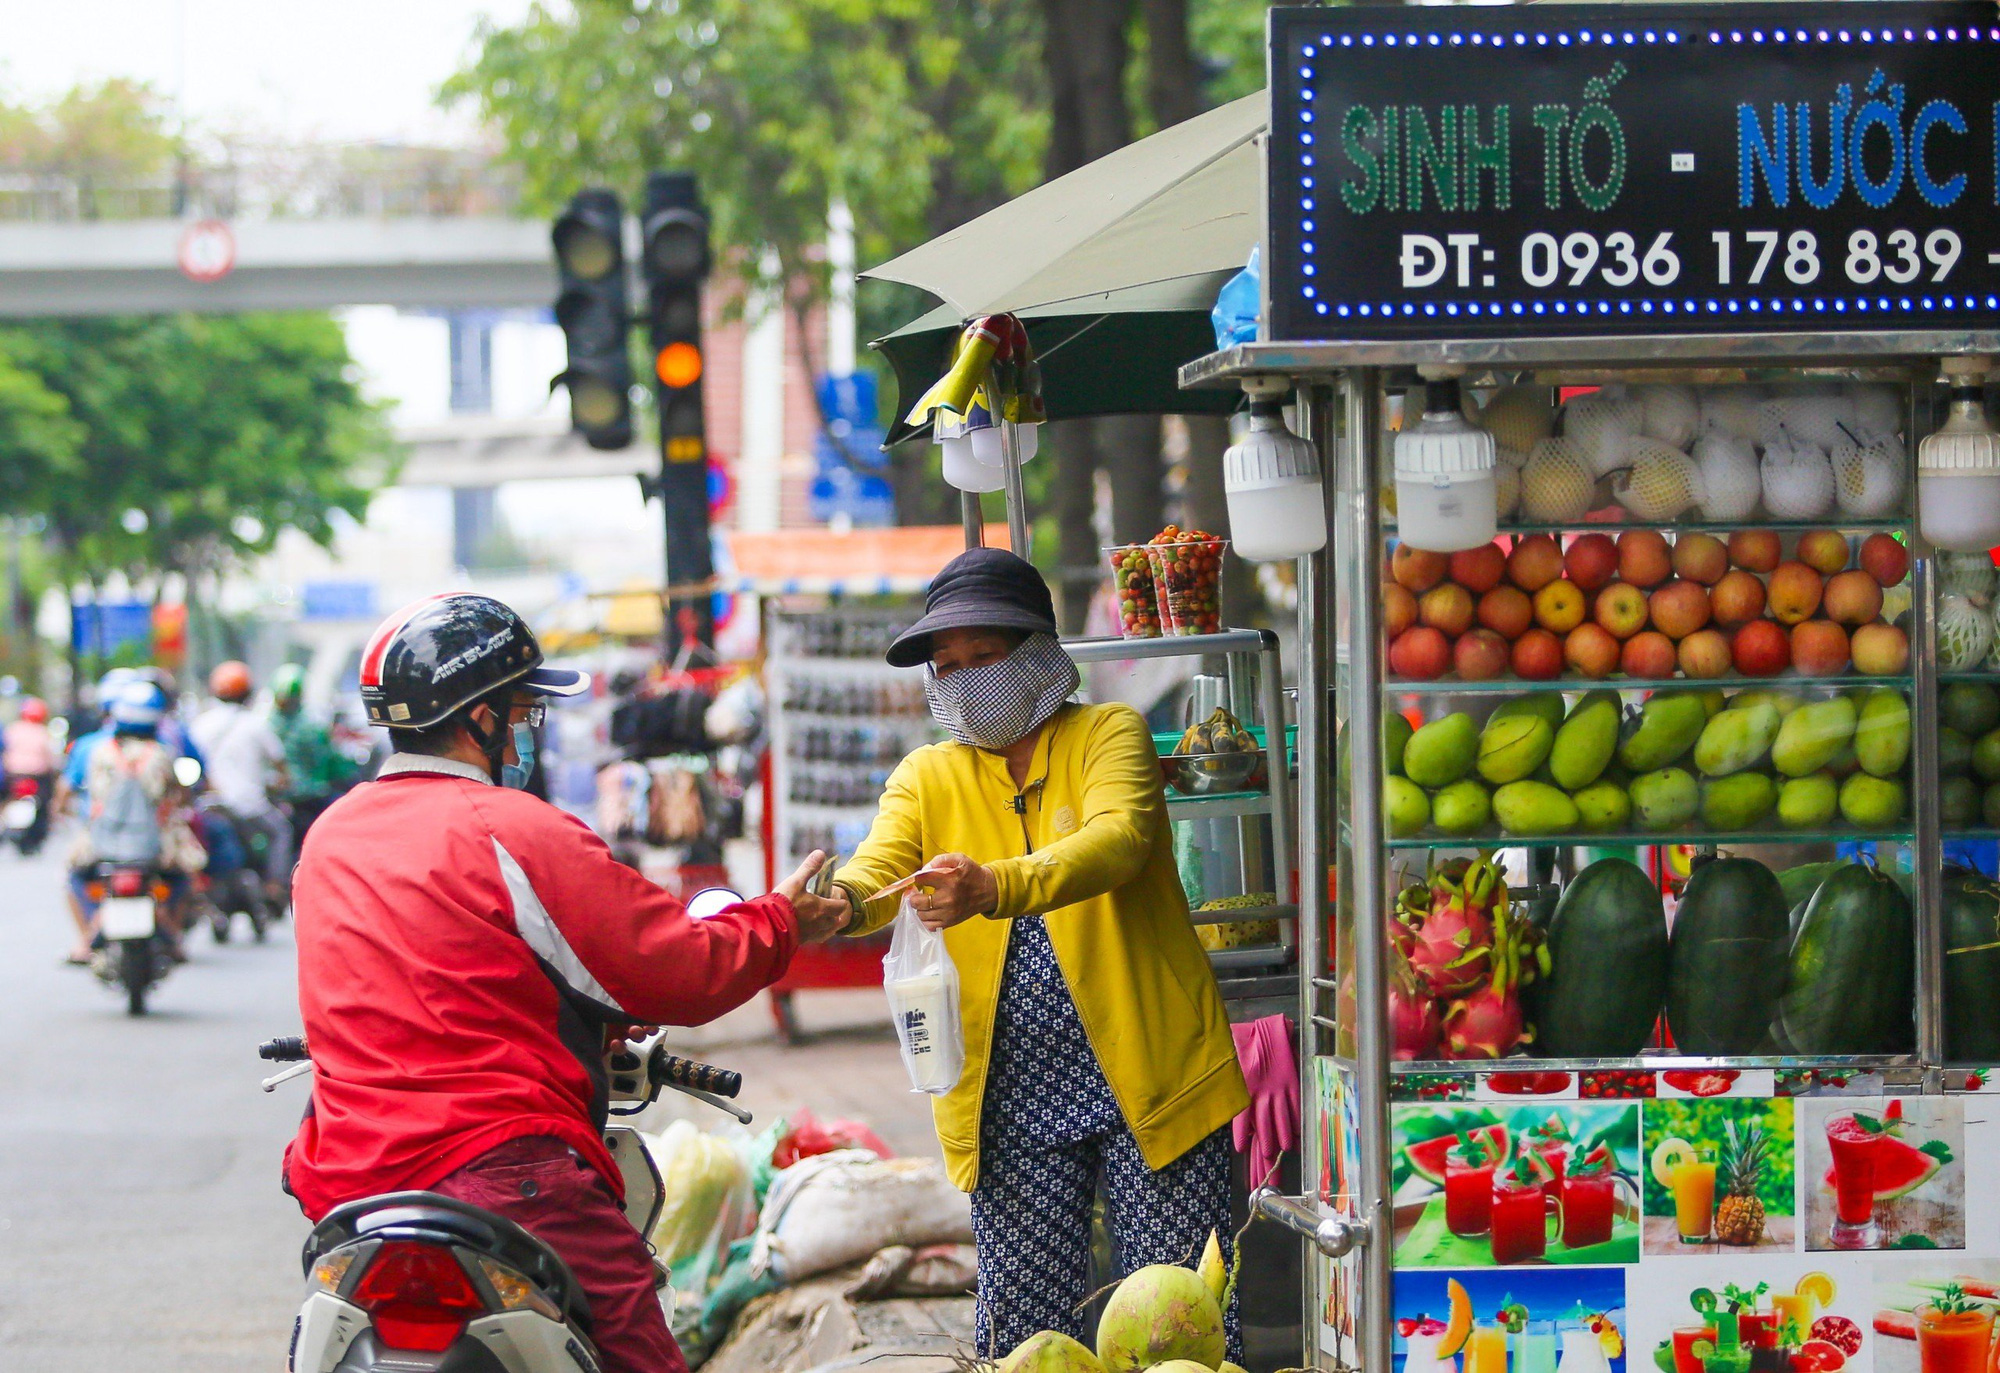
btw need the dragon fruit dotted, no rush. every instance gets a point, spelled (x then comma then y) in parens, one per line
(1415, 1028)
(1485, 1024)
(1450, 924)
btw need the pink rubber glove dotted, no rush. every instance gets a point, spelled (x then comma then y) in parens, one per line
(1271, 1070)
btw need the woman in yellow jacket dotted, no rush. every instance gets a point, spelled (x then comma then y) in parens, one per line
(1095, 1038)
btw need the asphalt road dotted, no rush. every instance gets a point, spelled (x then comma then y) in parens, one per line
(141, 1224)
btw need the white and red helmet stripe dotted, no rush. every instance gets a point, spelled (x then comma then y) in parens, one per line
(386, 632)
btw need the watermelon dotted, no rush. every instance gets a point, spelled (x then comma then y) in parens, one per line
(1426, 1158)
(1900, 1168)
(1609, 958)
(1801, 882)
(1971, 967)
(1730, 946)
(1853, 966)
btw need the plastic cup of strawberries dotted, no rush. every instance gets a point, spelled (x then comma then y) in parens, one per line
(1187, 571)
(1132, 581)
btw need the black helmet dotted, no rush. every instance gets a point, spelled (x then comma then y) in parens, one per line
(439, 655)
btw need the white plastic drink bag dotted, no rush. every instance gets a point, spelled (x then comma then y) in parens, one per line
(922, 983)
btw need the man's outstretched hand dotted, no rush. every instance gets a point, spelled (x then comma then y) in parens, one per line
(820, 917)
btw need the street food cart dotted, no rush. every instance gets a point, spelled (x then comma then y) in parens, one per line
(1625, 334)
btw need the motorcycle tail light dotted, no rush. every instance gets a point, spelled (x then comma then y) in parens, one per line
(25, 788)
(329, 1271)
(417, 1295)
(161, 891)
(127, 883)
(514, 1291)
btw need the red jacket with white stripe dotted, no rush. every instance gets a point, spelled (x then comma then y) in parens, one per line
(462, 948)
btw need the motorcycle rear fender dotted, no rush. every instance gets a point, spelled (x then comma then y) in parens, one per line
(528, 1342)
(645, 1191)
(326, 1327)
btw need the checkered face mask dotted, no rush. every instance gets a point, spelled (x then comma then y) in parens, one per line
(995, 706)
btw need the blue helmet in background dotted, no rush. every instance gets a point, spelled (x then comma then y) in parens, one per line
(112, 683)
(137, 707)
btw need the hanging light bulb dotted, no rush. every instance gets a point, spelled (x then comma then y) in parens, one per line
(1272, 481)
(1958, 468)
(1445, 496)
(962, 468)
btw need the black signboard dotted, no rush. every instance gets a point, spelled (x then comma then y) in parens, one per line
(1596, 169)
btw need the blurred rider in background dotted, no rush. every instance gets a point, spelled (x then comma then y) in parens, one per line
(246, 768)
(317, 770)
(30, 753)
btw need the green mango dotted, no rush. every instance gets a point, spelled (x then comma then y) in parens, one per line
(1442, 751)
(1736, 738)
(1603, 808)
(1954, 752)
(1406, 807)
(1971, 708)
(1532, 809)
(1785, 702)
(1809, 802)
(1396, 732)
(1958, 803)
(1462, 808)
(1869, 802)
(1586, 742)
(1543, 705)
(1986, 756)
(1738, 801)
(1989, 807)
(1512, 748)
(1668, 725)
(1882, 733)
(1665, 799)
(1712, 700)
(1812, 735)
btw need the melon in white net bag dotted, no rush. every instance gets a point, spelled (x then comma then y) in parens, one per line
(1506, 489)
(1734, 410)
(1659, 481)
(1870, 471)
(1730, 481)
(1519, 417)
(1670, 414)
(1967, 574)
(1556, 484)
(1798, 479)
(1814, 414)
(1877, 407)
(1599, 424)
(1964, 632)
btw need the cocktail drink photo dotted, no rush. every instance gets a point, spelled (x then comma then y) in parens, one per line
(1854, 1146)
(1583, 1352)
(1686, 1359)
(1794, 1311)
(1954, 1334)
(1692, 1183)
(1728, 1354)
(1535, 1348)
(1468, 1189)
(1421, 1355)
(1551, 1140)
(1486, 1349)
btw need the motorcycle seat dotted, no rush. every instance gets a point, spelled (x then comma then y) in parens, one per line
(437, 1219)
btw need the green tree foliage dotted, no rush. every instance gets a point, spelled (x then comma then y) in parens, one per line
(1701, 1123)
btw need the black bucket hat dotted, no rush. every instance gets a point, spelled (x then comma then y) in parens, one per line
(982, 588)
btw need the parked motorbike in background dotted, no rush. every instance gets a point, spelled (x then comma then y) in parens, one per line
(230, 884)
(134, 953)
(410, 1281)
(25, 816)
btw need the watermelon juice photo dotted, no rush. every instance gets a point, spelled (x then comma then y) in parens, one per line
(1954, 1341)
(1468, 1194)
(1520, 1219)
(1589, 1192)
(1854, 1147)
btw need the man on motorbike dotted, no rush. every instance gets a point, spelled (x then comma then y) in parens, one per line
(466, 952)
(29, 755)
(316, 769)
(246, 765)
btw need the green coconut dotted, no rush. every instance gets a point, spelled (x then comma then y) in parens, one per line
(1050, 1351)
(1161, 1313)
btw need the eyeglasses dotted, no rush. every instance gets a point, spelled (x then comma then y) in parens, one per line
(537, 712)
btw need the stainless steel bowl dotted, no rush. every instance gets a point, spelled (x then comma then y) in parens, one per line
(1211, 774)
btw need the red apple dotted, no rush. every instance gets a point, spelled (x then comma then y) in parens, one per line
(1755, 550)
(1446, 608)
(1649, 655)
(1880, 650)
(1480, 655)
(1559, 607)
(1761, 649)
(1479, 569)
(1737, 599)
(1819, 648)
(1852, 597)
(1705, 653)
(1591, 650)
(1795, 592)
(1399, 608)
(1823, 550)
(1644, 559)
(1884, 558)
(1507, 611)
(1538, 656)
(1418, 568)
(1679, 608)
(1591, 561)
(1621, 609)
(1420, 654)
(1701, 558)
(1535, 562)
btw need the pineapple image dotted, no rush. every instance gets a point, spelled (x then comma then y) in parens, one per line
(1740, 1217)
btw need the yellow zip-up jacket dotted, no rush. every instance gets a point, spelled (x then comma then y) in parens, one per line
(1087, 844)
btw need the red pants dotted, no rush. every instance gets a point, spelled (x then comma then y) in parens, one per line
(541, 1185)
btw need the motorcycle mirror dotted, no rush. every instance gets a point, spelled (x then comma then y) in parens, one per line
(712, 901)
(186, 771)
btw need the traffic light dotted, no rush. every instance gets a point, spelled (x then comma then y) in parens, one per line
(674, 261)
(592, 310)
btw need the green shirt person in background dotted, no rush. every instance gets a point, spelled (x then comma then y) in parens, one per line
(319, 771)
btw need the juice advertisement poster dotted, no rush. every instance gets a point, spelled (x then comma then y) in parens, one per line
(1720, 1176)
(1544, 1182)
(1883, 1173)
(1339, 1136)
(1934, 1315)
(1754, 1313)
(1537, 1320)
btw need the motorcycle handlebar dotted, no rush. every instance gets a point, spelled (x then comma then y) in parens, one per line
(672, 1070)
(287, 1049)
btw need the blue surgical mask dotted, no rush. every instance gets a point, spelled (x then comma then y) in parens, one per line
(516, 775)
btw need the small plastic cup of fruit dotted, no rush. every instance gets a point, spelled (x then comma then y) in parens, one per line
(1188, 575)
(1132, 581)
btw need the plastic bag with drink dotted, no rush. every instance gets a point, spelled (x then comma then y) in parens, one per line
(922, 984)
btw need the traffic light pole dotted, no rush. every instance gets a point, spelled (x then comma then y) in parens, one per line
(674, 260)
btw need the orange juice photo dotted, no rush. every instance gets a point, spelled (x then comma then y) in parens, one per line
(1954, 1341)
(1693, 1188)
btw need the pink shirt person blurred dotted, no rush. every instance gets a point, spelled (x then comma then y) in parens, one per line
(29, 751)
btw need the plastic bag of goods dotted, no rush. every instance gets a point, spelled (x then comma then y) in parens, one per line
(707, 1189)
(922, 985)
(834, 1209)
